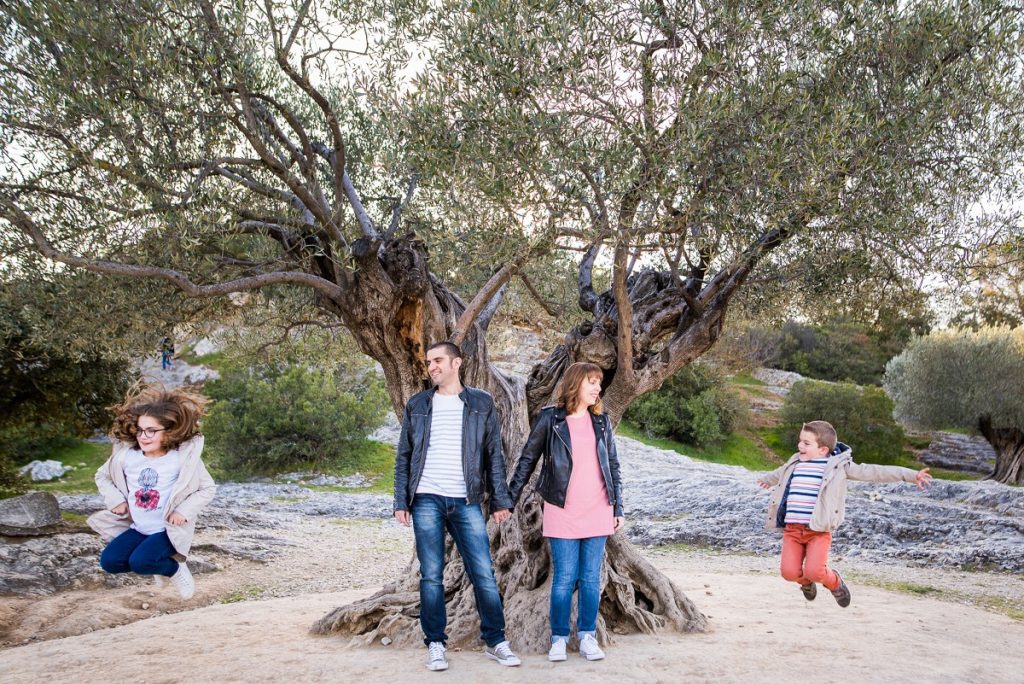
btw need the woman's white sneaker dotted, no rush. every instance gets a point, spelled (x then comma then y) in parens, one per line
(589, 648)
(557, 651)
(436, 659)
(183, 582)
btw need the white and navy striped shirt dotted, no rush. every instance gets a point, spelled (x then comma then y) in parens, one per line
(804, 487)
(442, 470)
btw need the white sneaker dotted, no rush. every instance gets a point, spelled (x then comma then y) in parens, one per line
(589, 648)
(435, 657)
(503, 654)
(159, 581)
(183, 582)
(557, 651)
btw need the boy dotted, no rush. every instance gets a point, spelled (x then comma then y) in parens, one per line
(809, 502)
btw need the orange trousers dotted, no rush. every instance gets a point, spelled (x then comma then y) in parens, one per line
(805, 556)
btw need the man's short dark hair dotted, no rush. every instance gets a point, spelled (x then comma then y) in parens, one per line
(450, 348)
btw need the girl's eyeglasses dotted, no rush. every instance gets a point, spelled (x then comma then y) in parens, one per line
(149, 433)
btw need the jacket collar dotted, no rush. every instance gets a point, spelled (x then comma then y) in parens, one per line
(464, 395)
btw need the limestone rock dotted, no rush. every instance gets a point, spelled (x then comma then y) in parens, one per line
(44, 471)
(29, 515)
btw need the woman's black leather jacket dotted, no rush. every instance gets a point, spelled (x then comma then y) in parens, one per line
(550, 437)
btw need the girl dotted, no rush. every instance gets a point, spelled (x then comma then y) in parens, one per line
(154, 484)
(582, 494)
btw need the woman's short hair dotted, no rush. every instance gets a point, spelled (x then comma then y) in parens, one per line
(574, 376)
(177, 410)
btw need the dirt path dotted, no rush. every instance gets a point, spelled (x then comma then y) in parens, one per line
(240, 634)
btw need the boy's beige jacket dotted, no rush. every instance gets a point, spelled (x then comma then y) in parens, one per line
(830, 509)
(192, 492)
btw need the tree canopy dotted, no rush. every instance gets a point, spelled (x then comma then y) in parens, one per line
(967, 380)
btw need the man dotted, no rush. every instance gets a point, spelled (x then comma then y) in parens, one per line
(448, 452)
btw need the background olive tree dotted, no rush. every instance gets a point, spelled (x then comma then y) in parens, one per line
(965, 379)
(396, 166)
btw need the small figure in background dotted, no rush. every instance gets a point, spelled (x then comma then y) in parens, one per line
(166, 353)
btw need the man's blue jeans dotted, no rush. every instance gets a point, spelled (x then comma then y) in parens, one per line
(575, 562)
(143, 554)
(431, 516)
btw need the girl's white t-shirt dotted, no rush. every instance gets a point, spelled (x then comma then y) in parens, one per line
(150, 483)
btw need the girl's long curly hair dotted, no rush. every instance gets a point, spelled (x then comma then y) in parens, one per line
(177, 410)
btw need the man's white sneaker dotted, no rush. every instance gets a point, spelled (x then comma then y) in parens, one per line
(159, 581)
(557, 651)
(589, 648)
(503, 654)
(436, 659)
(183, 582)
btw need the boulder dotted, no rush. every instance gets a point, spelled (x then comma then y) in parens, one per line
(29, 515)
(43, 471)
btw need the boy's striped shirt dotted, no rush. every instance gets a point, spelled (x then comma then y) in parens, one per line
(804, 486)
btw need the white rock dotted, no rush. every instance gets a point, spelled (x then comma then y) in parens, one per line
(41, 471)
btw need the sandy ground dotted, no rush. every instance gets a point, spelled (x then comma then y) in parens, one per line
(250, 623)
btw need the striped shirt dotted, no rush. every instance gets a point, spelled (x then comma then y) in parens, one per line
(804, 486)
(442, 470)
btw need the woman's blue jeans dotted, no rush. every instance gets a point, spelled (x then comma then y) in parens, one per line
(432, 514)
(575, 563)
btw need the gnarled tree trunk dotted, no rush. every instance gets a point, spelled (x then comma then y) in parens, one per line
(1009, 446)
(401, 309)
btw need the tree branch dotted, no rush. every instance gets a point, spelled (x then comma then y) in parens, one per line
(19, 218)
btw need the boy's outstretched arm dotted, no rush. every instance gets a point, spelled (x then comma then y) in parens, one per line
(771, 479)
(924, 478)
(870, 472)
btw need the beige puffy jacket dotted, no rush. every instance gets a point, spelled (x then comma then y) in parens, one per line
(193, 490)
(830, 509)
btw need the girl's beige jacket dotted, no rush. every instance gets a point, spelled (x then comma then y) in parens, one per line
(192, 492)
(830, 509)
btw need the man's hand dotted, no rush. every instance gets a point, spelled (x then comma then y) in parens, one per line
(924, 478)
(120, 509)
(619, 522)
(403, 517)
(501, 516)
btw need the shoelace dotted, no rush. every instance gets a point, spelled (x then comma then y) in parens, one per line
(436, 651)
(503, 650)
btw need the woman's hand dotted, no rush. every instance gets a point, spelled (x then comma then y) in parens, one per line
(619, 522)
(120, 509)
(177, 519)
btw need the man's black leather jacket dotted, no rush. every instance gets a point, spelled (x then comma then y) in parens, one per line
(482, 462)
(550, 436)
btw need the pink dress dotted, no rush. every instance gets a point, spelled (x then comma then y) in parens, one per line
(587, 512)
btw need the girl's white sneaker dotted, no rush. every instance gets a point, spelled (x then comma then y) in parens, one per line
(183, 582)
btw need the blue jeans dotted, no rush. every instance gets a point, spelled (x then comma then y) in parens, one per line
(431, 516)
(575, 562)
(143, 554)
(165, 360)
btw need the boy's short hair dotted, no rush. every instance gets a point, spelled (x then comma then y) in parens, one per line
(824, 433)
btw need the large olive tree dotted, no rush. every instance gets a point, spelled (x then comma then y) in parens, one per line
(379, 155)
(966, 379)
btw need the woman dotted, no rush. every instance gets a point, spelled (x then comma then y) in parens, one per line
(582, 494)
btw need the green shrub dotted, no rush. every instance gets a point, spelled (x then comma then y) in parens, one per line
(861, 416)
(694, 406)
(10, 483)
(23, 443)
(282, 415)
